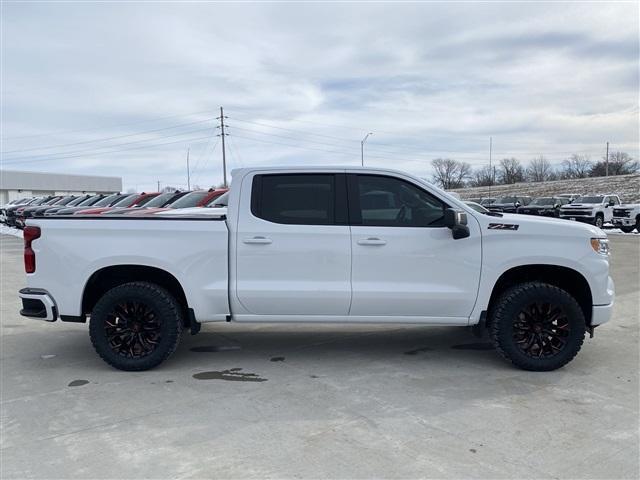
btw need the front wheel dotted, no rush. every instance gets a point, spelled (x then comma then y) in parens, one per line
(627, 229)
(599, 221)
(136, 326)
(537, 326)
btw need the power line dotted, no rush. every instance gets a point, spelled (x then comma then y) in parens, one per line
(106, 138)
(184, 140)
(62, 155)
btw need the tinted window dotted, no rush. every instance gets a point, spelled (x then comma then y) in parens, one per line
(307, 199)
(106, 201)
(125, 200)
(190, 200)
(391, 202)
(596, 199)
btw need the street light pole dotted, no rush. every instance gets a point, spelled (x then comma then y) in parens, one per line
(362, 147)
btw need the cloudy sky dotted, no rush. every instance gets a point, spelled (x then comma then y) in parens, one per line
(126, 88)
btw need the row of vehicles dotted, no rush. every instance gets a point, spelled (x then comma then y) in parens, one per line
(596, 209)
(16, 213)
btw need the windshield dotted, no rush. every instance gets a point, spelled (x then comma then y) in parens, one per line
(160, 200)
(106, 201)
(544, 201)
(65, 200)
(126, 201)
(506, 200)
(190, 200)
(594, 199)
(221, 201)
(76, 201)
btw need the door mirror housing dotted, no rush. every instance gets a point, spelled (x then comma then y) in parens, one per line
(456, 220)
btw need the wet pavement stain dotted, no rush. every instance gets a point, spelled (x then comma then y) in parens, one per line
(473, 346)
(277, 359)
(214, 348)
(418, 350)
(169, 381)
(472, 450)
(314, 376)
(77, 383)
(233, 375)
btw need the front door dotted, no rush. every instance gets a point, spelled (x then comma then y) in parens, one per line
(405, 261)
(294, 247)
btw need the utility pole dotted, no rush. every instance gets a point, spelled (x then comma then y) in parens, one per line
(490, 167)
(224, 152)
(606, 163)
(362, 147)
(188, 173)
(158, 185)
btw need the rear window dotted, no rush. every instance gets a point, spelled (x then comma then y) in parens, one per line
(307, 199)
(144, 201)
(125, 201)
(190, 200)
(106, 201)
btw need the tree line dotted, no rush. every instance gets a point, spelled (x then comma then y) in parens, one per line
(450, 173)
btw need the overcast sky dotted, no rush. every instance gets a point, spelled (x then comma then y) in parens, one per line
(125, 89)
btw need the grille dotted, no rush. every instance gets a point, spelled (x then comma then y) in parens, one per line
(576, 213)
(621, 212)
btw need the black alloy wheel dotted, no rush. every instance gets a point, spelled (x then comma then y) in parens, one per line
(541, 330)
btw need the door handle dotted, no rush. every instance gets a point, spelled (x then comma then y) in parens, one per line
(258, 240)
(371, 241)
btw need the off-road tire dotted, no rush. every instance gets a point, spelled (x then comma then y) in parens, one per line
(167, 315)
(599, 222)
(627, 229)
(507, 310)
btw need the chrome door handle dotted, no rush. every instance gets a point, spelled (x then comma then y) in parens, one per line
(258, 240)
(371, 241)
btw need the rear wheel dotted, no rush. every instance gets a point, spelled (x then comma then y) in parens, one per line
(537, 326)
(627, 229)
(136, 326)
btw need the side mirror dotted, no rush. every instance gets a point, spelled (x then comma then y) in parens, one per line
(612, 203)
(518, 204)
(457, 222)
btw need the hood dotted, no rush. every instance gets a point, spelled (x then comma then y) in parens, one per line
(628, 205)
(582, 205)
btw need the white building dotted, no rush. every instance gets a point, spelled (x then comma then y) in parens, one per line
(16, 184)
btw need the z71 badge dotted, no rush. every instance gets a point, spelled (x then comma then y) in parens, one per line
(503, 226)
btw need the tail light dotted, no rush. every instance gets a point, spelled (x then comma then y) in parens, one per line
(30, 233)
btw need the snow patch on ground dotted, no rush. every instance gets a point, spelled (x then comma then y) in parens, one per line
(6, 230)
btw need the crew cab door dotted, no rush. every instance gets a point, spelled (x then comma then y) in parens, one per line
(405, 261)
(293, 247)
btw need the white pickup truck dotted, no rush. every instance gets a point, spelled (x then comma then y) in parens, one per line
(321, 245)
(627, 217)
(594, 209)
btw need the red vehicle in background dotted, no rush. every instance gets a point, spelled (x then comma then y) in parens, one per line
(128, 200)
(198, 198)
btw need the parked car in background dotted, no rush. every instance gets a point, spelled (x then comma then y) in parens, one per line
(19, 213)
(627, 217)
(30, 212)
(199, 198)
(509, 204)
(101, 200)
(545, 206)
(487, 201)
(158, 202)
(42, 211)
(11, 204)
(12, 210)
(594, 209)
(126, 201)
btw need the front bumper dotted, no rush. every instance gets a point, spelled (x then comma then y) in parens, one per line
(625, 222)
(38, 304)
(578, 218)
(602, 313)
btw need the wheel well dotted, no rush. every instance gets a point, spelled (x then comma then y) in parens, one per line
(562, 277)
(107, 278)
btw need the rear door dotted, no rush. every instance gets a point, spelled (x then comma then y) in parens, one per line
(293, 253)
(405, 261)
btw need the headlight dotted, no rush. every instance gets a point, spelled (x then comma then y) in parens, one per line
(600, 245)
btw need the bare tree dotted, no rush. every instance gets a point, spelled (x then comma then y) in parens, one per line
(484, 176)
(576, 166)
(620, 163)
(539, 170)
(168, 189)
(511, 171)
(449, 173)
